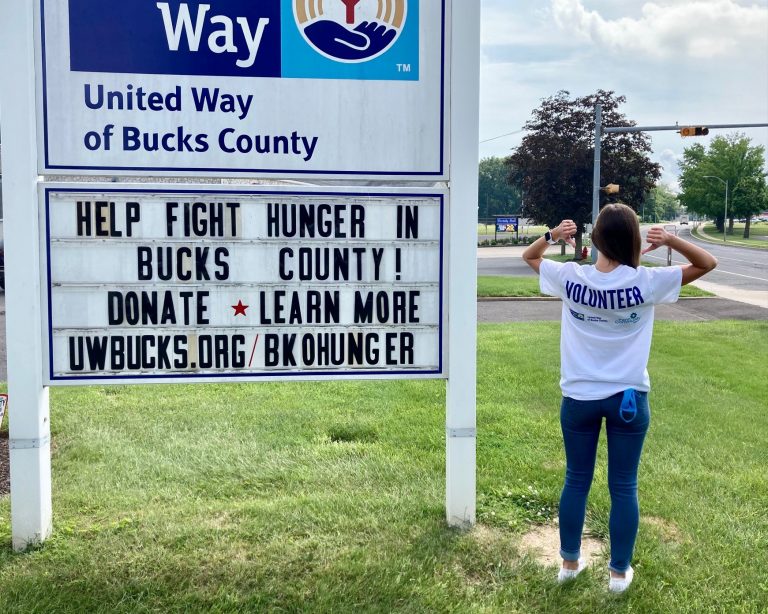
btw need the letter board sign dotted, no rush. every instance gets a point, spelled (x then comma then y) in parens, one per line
(314, 88)
(157, 284)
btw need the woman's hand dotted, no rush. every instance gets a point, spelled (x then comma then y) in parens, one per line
(534, 253)
(565, 231)
(657, 237)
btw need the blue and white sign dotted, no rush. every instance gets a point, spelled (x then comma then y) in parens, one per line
(507, 223)
(316, 88)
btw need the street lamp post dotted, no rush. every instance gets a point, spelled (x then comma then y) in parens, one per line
(725, 215)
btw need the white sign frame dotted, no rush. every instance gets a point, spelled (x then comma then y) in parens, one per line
(422, 99)
(50, 378)
(29, 423)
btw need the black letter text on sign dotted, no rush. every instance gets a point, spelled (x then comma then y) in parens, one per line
(156, 284)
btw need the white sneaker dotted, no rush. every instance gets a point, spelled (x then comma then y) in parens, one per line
(569, 574)
(619, 585)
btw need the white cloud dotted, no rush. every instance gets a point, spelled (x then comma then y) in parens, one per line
(500, 26)
(523, 21)
(691, 28)
(527, 56)
(670, 169)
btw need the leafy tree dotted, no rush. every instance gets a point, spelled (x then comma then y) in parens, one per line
(554, 161)
(660, 204)
(496, 196)
(696, 195)
(732, 160)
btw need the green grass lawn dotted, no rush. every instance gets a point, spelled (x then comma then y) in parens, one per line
(491, 285)
(528, 287)
(758, 234)
(567, 257)
(328, 497)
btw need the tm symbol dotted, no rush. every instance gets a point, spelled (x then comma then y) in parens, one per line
(403, 67)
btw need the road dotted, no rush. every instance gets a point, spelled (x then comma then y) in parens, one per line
(741, 274)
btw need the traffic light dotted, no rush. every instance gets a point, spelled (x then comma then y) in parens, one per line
(694, 131)
(611, 188)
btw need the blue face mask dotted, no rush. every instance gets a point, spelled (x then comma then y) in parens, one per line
(628, 409)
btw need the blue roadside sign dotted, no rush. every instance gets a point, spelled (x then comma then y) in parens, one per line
(507, 223)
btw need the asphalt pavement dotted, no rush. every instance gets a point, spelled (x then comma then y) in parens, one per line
(685, 310)
(741, 274)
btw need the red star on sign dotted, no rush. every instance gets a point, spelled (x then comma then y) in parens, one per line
(240, 308)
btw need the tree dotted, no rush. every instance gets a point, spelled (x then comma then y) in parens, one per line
(554, 161)
(660, 204)
(732, 160)
(496, 196)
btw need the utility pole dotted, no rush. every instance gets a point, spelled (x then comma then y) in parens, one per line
(596, 169)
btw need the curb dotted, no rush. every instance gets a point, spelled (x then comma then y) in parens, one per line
(707, 239)
(491, 299)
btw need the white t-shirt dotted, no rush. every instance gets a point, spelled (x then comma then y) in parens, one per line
(607, 324)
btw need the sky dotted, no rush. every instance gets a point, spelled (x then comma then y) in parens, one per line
(677, 61)
(692, 62)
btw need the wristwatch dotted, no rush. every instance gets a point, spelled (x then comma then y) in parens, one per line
(548, 238)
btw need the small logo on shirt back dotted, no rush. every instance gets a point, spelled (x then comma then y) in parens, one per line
(632, 319)
(586, 318)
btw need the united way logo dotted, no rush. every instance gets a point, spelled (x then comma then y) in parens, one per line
(351, 39)
(350, 30)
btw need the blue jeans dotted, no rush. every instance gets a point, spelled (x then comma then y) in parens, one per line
(581, 422)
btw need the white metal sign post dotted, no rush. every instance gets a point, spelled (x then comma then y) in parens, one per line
(29, 442)
(461, 395)
(128, 282)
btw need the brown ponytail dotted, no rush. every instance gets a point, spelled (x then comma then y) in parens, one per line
(616, 234)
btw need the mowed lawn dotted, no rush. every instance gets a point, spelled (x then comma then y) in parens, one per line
(328, 497)
(758, 234)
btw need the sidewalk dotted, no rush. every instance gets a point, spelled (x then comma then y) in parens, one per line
(758, 298)
(685, 310)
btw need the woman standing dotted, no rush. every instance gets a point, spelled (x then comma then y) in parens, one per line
(606, 329)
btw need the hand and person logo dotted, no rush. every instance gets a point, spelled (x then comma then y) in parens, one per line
(350, 30)
(371, 40)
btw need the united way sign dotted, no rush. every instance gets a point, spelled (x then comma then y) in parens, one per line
(151, 284)
(309, 88)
